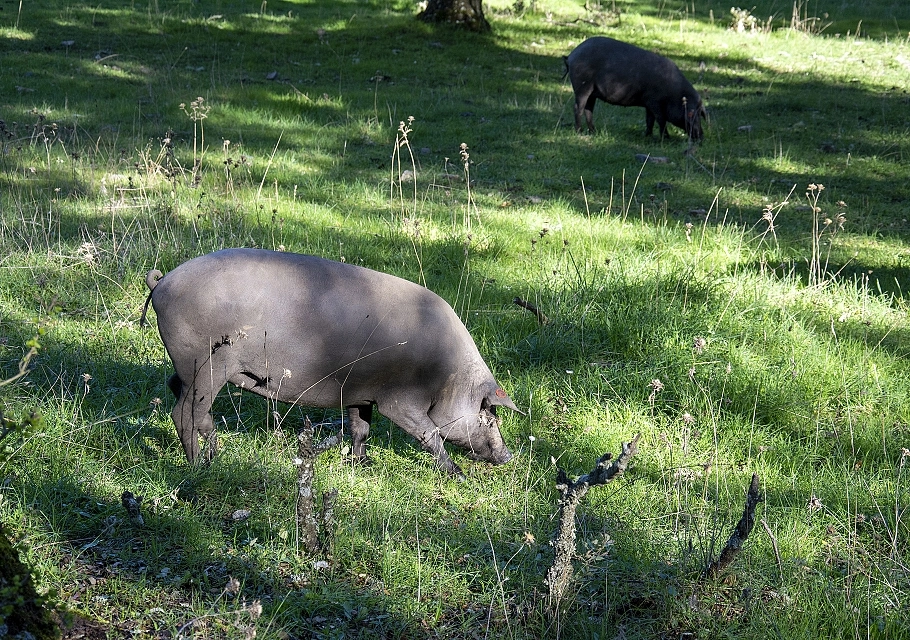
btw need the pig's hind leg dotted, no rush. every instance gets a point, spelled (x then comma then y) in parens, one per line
(585, 98)
(192, 417)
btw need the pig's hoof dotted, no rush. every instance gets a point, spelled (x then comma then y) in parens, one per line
(456, 472)
(361, 461)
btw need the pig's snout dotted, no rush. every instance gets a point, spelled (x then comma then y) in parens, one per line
(502, 456)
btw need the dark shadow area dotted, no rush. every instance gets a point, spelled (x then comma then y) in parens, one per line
(98, 537)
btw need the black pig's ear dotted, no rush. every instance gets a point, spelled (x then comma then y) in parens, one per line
(500, 398)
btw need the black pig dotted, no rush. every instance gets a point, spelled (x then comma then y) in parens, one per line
(623, 74)
(309, 331)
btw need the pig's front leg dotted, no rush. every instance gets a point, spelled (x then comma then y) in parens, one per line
(412, 418)
(432, 442)
(359, 417)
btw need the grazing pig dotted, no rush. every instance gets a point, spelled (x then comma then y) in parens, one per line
(625, 75)
(314, 332)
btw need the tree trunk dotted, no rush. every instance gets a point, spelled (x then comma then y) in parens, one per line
(462, 12)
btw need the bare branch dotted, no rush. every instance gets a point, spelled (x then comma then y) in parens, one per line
(131, 504)
(313, 534)
(524, 304)
(740, 533)
(559, 575)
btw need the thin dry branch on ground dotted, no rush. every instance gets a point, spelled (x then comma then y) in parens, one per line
(524, 304)
(740, 533)
(559, 575)
(313, 533)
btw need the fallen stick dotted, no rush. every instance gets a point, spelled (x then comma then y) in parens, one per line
(740, 533)
(559, 575)
(524, 304)
(131, 504)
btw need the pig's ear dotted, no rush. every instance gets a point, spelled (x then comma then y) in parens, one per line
(500, 398)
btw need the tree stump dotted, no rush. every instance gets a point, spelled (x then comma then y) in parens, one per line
(467, 13)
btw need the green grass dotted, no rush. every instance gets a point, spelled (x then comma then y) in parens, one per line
(647, 272)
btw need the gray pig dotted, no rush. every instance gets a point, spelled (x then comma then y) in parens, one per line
(309, 331)
(623, 74)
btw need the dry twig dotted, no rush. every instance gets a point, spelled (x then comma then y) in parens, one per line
(312, 534)
(559, 575)
(780, 564)
(541, 318)
(740, 533)
(131, 504)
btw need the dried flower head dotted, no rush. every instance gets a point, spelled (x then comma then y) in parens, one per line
(815, 504)
(656, 387)
(254, 609)
(87, 252)
(232, 588)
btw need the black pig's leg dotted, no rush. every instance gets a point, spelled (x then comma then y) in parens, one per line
(359, 417)
(196, 389)
(432, 441)
(584, 106)
(192, 418)
(418, 424)
(589, 112)
(649, 122)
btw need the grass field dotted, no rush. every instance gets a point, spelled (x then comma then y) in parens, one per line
(743, 308)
